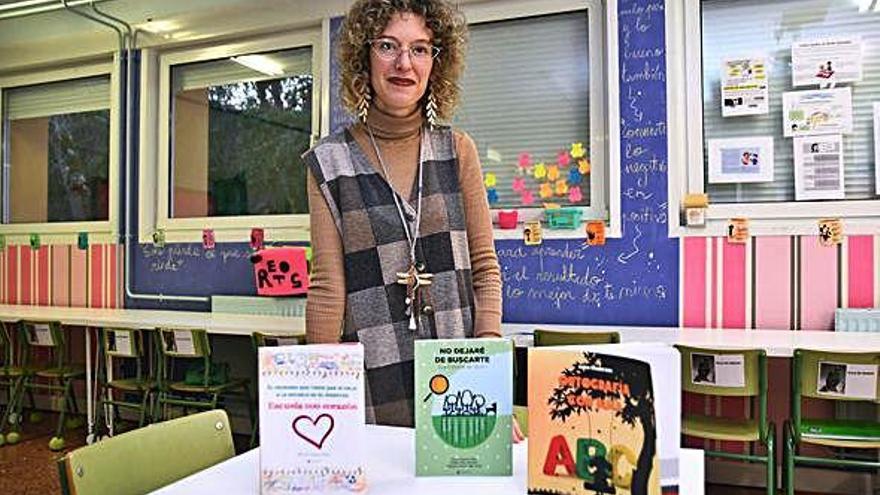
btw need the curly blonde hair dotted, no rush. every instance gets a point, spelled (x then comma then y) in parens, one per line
(367, 19)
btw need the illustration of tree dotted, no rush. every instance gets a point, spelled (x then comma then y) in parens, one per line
(637, 407)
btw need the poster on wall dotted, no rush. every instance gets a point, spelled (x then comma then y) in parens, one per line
(746, 159)
(818, 167)
(826, 61)
(877, 148)
(744, 87)
(824, 111)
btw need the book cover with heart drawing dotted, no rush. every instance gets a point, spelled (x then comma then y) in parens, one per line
(312, 421)
(464, 406)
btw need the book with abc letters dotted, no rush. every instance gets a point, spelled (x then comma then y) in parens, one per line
(592, 424)
(463, 407)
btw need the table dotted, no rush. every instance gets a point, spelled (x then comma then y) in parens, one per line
(214, 323)
(389, 455)
(777, 343)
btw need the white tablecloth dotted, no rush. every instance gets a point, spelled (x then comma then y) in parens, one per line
(390, 467)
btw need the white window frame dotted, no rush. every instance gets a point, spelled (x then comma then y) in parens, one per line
(685, 104)
(154, 180)
(604, 122)
(100, 231)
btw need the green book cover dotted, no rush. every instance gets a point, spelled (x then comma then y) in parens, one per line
(464, 405)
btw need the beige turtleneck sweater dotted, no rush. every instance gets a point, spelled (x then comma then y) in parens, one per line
(398, 141)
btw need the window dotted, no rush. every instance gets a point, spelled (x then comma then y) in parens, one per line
(533, 90)
(719, 30)
(233, 123)
(57, 151)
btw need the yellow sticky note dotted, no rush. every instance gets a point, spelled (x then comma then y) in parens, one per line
(552, 172)
(584, 166)
(577, 150)
(561, 188)
(490, 180)
(546, 191)
(540, 170)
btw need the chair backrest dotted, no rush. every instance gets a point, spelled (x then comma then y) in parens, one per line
(187, 343)
(561, 337)
(148, 458)
(46, 335)
(843, 376)
(261, 339)
(724, 372)
(124, 343)
(7, 352)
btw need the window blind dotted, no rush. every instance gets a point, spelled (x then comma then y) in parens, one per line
(737, 28)
(526, 90)
(57, 98)
(226, 71)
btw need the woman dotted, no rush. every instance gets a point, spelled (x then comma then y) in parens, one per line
(390, 268)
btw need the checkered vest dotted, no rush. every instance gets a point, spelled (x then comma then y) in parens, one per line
(375, 250)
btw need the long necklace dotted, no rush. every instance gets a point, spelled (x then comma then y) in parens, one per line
(413, 278)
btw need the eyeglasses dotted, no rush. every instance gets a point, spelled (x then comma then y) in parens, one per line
(390, 49)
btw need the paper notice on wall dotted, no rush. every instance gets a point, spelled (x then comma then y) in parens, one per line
(746, 159)
(718, 370)
(826, 61)
(826, 111)
(857, 381)
(744, 87)
(818, 167)
(877, 148)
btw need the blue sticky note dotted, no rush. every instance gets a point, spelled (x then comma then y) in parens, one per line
(492, 195)
(574, 176)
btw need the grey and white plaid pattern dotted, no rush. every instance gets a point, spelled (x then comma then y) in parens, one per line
(375, 249)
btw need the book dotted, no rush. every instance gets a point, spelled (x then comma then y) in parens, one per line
(312, 419)
(594, 424)
(463, 407)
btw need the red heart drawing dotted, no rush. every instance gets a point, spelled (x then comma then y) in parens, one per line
(311, 429)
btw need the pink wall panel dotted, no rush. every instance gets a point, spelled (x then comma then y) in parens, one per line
(818, 284)
(78, 277)
(113, 250)
(694, 283)
(61, 275)
(96, 269)
(734, 289)
(43, 267)
(12, 274)
(24, 281)
(773, 283)
(861, 271)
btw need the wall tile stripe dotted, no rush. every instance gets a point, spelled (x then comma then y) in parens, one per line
(772, 283)
(860, 269)
(44, 268)
(61, 275)
(694, 283)
(79, 287)
(733, 283)
(26, 274)
(96, 269)
(818, 272)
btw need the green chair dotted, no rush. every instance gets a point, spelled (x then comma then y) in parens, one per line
(11, 383)
(819, 375)
(543, 338)
(127, 346)
(57, 378)
(262, 339)
(205, 384)
(146, 459)
(698, 376)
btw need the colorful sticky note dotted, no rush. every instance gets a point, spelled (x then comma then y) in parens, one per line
(575, 195)
(507, 219)
(584, 166)
(35, 241)
(82, 240)
(561, 188)
(525, 160)
(527, 198)
(159, 238)
(574, 176)
(519, 184)
(577, 150)
(830, 232)
(281, 271)
(595, 233)
(208, 239)
(552, 172)
(257, 238)
(546, 191)
(532, 234)
(490, 179)
(540, 171)
(492, 196)
(563, 159)
(738, 230)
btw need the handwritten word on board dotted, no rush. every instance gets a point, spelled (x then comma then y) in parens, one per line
(281, 272)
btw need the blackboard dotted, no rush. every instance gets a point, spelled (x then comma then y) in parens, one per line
(632, 280)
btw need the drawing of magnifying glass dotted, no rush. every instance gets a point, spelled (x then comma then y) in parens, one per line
(439, 384)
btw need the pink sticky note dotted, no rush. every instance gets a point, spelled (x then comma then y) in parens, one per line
(208, 241)
(281, 271)
(257, 237)
(525, 160)
(519, 184)
(527, 198)
(563, 159)
(575, 195)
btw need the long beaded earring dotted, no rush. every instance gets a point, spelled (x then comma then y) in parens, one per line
(363, 104)
(431, 109)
